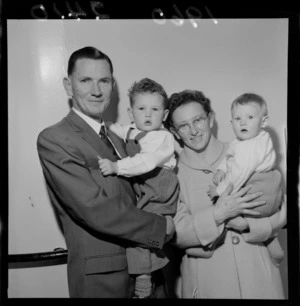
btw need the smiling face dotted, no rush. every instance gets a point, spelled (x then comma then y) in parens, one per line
(196, 137)
(90, 85)
(247, 120)
(148, 111)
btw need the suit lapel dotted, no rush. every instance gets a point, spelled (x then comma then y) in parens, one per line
(88, 134)
(93, 139)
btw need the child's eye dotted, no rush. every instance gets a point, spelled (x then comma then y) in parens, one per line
(237, 118)
(250, 117)
(155, 109)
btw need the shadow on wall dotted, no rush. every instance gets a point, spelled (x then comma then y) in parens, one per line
(215, 129)
(111, 113)
(279, 157)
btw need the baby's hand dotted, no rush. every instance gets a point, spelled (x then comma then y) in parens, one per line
(212, 192)
(238, 223)
(218, 177)
(106, 166)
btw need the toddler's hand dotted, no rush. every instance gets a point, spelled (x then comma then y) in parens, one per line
(212, 192)
(218, 177)
(238, 223)
(106, 166)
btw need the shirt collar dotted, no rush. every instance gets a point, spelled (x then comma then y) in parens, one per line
(95, 125)
(215, 150)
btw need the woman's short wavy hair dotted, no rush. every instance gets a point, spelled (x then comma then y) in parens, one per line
(185, 97)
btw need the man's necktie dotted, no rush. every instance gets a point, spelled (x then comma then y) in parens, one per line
(109, 145)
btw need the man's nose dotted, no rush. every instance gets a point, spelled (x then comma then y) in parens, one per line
(96, 89)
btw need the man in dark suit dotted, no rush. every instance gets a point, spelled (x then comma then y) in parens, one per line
(98, 213)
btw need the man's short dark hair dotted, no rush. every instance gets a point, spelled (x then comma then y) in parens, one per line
(90, 53)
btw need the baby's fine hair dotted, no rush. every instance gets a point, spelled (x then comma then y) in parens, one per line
(147, 85)
(247, 98)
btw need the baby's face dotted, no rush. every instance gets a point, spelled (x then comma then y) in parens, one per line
(247, 120)
(148, 111)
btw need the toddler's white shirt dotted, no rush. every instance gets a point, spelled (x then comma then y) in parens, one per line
(157, 150)
(243, 158)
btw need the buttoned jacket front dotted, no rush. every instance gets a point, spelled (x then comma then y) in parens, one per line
(241, 266)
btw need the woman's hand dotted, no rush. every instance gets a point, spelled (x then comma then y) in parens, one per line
(232, 205)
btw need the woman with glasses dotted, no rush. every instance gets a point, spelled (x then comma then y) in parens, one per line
(225, 255)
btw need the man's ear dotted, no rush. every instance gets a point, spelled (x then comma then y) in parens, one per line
(130, 114)
(68, 86)
(265, 121)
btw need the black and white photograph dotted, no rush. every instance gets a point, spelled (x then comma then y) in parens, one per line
(147, 158)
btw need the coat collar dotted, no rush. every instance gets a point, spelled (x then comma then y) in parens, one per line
(92, 138)
(205, 161)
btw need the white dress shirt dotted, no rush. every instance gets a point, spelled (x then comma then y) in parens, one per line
(95, 125)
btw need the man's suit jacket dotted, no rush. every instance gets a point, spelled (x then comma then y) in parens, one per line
(98, 213)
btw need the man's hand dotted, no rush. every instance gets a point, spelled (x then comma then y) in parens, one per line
(106, 166)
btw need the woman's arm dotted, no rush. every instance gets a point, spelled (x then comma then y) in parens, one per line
(261, 229)
(194, 230)
(206, 226)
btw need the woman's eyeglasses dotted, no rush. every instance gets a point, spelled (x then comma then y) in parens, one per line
(197, 123)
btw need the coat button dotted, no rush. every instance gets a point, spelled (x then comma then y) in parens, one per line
(235, 240)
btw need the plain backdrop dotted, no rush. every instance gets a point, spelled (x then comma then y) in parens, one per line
(223, 59)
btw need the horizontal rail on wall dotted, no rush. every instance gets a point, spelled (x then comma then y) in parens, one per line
(31, 260)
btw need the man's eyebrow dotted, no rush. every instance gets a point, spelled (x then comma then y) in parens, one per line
(106, 78)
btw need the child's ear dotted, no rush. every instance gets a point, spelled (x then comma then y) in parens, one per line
(166, 112)
(265, 121)
(130, 114)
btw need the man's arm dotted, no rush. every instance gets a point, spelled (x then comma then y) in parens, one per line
(92, 200)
